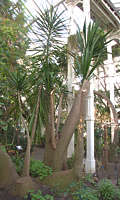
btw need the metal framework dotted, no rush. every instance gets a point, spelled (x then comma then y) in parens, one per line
(102, 11)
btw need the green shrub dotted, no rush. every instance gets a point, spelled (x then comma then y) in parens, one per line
(106, 189)
(38, 168)
(89, 178)
(38, 196)
(75, 186)
(19, 162)
(117, 196)
(3, 148)
(85, 194)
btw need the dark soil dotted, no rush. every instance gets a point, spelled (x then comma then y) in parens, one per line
(6, 195)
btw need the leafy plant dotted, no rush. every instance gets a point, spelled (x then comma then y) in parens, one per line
(3, 148)
(38, 168)
(117, 196)
(92, 47)
(39, 196)
(50, 28)
(89, 178)
(85, 194)
(73, 187)
(18, 161)
(106, 190)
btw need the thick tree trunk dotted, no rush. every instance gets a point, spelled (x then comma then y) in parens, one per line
(49, 151)
(69, 127)
(52, 121)
(27, 153)
(26, 167)
(79, 150)
(79, 153)
(36, 116)
(105, 148)
(59, 114)
(50, 141)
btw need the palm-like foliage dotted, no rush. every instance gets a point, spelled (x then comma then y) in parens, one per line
(17, 80)
(49, 31)
(92, 46)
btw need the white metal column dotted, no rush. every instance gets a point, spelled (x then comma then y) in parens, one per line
(111, 85)
(70, 78)
(70, 101)
(90, 161)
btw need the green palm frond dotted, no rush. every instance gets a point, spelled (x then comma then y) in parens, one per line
(80, 41)
(49, 30)
(50, 26)
(17, 80)
(92, 46)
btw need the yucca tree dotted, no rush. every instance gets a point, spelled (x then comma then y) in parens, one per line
(49, 32)
(91, 43)
(17, 83)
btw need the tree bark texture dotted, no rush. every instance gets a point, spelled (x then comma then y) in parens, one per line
(50, 141)
(105, 148)
(79, 150)
(52, 120)
(79, 153)
(69, 127)
(36, 116)
(27, 153)
(49, 151)
(59, 114)
(26, 167)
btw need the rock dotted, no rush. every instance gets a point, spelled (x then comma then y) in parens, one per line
(8, 174)
(59, 180)
(22, 186)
